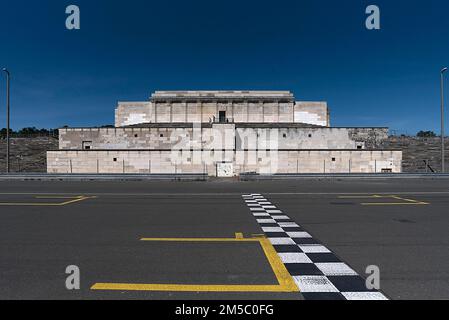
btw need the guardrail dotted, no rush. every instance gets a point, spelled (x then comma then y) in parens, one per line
(255, 176)
(205, 177)
(103, 177)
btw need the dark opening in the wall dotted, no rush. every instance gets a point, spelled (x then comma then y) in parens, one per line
(115, 159)
(87, 145)
(284, 135)
(333, 159)
(135, 136)
(310, 135)
(359, 147)
(222, 116)
(161, 135)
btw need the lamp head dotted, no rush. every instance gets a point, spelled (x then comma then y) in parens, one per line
(443, 70)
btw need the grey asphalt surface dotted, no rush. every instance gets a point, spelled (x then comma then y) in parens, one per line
(102, 235)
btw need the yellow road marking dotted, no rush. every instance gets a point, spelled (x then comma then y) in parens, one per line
(286, 283)
(258, 235)
(282, 275)
(363, 197)
(375, 196)
(48, 204)
(200, 239)
(190, 288)
(56, 197)
(393, 204)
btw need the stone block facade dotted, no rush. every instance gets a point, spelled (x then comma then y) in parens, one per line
(217, 132)
(186, 161)
(221, 136)
(235, 107)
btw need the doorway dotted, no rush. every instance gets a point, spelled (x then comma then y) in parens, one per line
(222, 116)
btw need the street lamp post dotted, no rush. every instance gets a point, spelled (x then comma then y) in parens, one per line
(442, 119)
(8, 75)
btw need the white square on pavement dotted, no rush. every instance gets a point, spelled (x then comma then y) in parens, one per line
(288, 224)
(314, 248)
(257, 209)
(294, 257)
(299, 234)
(364, 296)
(266, 221)
(335, 269)
(272, 229)
(314, 284)
(274, 211)
(275, 241)
(261, 214)
(280, 217)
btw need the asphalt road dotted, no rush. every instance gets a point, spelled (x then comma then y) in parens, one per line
(47, 226)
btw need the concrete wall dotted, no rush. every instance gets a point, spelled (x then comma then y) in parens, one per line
(316, 113)
(264, 162)
(132, 113)
(222, 136)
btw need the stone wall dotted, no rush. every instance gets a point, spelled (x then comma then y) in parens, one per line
(316, 113)
(26, 154)
(263, 162)
(132, 113)
(221, 136)
(419, 151)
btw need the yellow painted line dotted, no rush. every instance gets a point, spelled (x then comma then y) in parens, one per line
(282, 275)
(375, 196)
(362, 197)
(189, 288)
(200, 239)
(47, 204)
(286, 283)
(76, 200)
(393, 204)
(410, 200)
(55, 197)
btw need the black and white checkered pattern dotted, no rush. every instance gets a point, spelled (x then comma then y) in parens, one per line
(318, 272)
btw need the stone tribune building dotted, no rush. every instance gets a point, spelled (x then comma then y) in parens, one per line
(222, 133)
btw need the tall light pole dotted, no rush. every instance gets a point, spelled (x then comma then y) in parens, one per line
(8, 76)
(442, 118)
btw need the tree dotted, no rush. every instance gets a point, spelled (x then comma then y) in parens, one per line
(426, 134)
(29, 130)
(3, 131)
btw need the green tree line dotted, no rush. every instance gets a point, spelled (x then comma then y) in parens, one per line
(28, 131)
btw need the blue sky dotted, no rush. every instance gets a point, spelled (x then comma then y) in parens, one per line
(320, 50)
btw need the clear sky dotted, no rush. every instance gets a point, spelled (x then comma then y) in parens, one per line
(318, 49)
